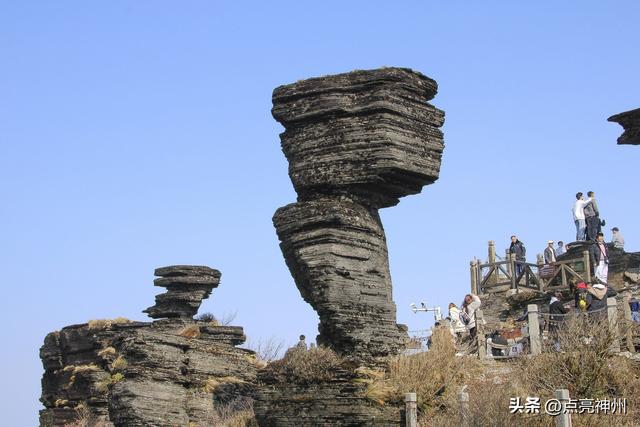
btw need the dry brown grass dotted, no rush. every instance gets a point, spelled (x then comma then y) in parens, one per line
(299, 366)
(105, 383)
(211, 384)
(107, 353)
(85, 418)
(585, 365)
(191, 331)
(106, 323)
(435, 375)
(237, 413)
(119, 364)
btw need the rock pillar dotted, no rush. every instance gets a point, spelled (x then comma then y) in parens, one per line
(355, 142)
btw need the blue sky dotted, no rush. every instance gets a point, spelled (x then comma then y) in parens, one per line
(138, 134)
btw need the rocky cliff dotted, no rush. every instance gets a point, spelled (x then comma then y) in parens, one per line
(172, 371)
(630, 121)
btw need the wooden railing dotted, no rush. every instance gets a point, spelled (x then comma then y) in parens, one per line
(515, 274)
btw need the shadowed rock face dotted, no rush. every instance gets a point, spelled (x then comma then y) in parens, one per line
(630, 121)
(337, 254)
(355, 142)
(187, 286)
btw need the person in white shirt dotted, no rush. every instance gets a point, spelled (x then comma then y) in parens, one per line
(471, 304)
(617, 240)
(578, 216)
(457, 327)
(560, 249)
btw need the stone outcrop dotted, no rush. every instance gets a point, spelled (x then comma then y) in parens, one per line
(341, 402)
(620, 262)
(172, 371)
(630, 121)
(355, 142)
(187, 286)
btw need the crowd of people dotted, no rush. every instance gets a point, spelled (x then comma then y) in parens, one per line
(590, 298)
(586, 216)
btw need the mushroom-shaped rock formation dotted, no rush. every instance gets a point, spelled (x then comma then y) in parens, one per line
(630, 121)
(355, 142)
(187, 286)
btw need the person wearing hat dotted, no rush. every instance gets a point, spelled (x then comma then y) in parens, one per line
(600, 258)
(549, 253)
(597, 295)
(617, 240)
(517, 248)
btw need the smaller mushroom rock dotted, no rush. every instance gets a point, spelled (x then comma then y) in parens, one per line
(187, 286)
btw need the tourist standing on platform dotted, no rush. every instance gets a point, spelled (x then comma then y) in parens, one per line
(600, 258)
(560, 249)
(470, 305)
(578, 217)
(592, 216)
(549, 253)
(520, 252)
(616, 239)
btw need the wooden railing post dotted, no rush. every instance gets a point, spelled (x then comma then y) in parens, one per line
(492, 260)
(411, 409)
(563, 274)
(473, 269)
(514, 274)
(535, 343)
(507, 257)
(480, 337)
(627, 317)
(540, 259)
(563, 419)
(612, 315)
(587, 266)
(492, 252)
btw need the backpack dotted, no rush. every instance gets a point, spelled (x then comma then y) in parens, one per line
(464, 317)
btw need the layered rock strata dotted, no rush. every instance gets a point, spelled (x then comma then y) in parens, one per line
(187, 286)
(630, 121)
(355, 142)
(173, 371)
(338, 403)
